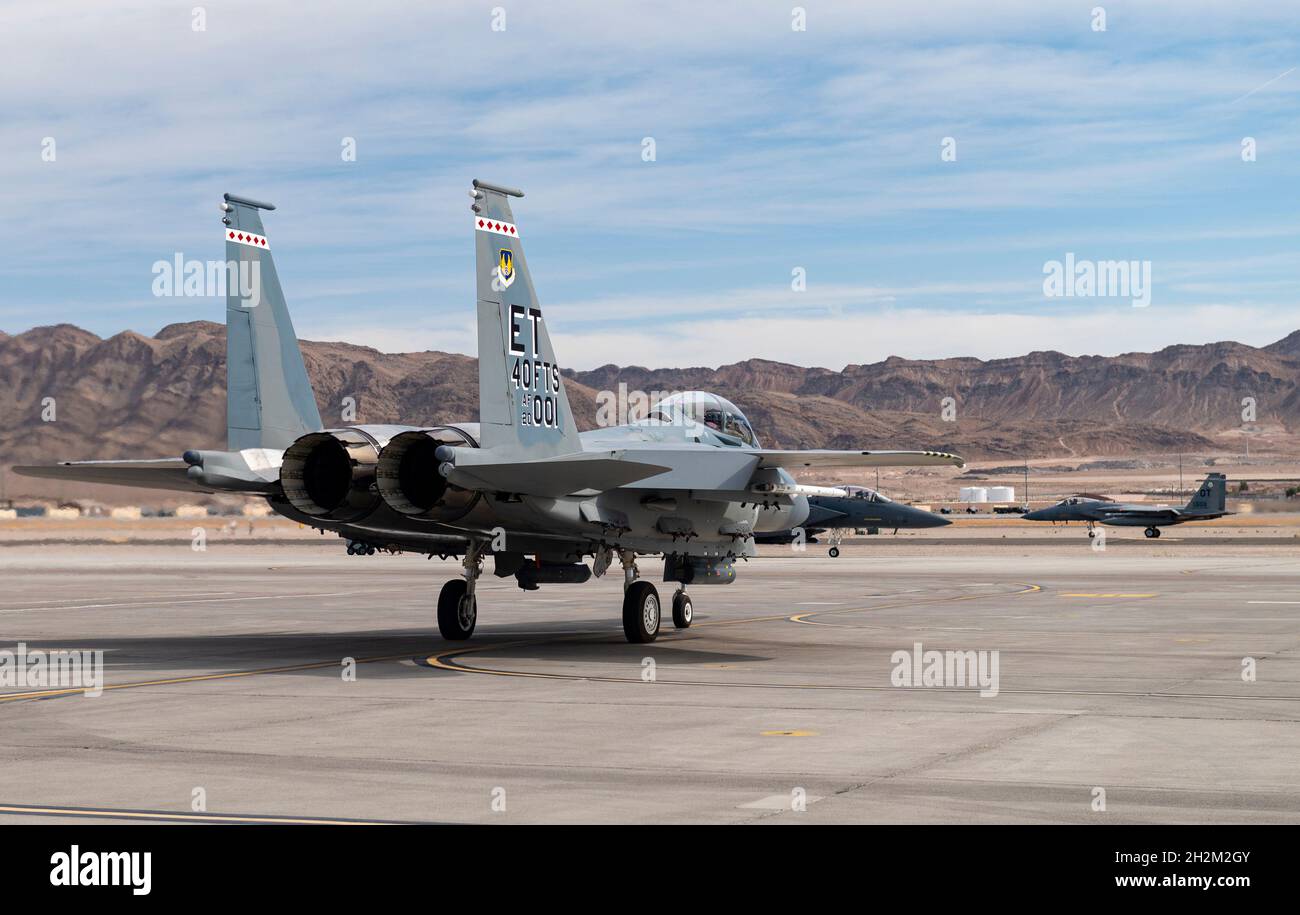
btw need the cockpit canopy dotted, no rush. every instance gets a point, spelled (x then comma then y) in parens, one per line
(1084, 497)
(868, 495)
(716, 413)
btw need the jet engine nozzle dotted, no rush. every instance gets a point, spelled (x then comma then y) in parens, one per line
(410, 479)
(331, 475)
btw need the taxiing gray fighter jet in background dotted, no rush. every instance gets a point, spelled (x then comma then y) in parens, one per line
(690, 481)
(844, 508)
(1209, 502)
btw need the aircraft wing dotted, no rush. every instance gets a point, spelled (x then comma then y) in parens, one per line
(1159, 514)
(825, 458)
(550, 477)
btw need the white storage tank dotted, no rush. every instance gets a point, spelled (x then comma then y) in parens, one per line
(973, 494)
(1002, 494)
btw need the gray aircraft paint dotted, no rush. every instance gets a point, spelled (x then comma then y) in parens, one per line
(645, 487)
(514, 343)
(269, 401)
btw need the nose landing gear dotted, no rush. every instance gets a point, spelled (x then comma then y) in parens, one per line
(682, 609)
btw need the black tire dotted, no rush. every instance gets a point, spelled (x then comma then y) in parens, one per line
(683, 611)
(1153, 532)
(637, 606)
(1091, 534)
(835, 552)
(457, 611)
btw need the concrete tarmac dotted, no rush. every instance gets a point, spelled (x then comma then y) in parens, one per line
(1119, 684)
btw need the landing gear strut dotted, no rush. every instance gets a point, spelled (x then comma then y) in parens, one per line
(457, 604)
(1153, 532)
(835, 538)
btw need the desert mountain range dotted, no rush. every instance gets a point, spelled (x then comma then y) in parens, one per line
(132, 395)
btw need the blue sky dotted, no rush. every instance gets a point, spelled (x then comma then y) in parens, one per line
(775, 150)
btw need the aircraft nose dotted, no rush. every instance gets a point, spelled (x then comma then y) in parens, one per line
(1039, 515)
(917, 517)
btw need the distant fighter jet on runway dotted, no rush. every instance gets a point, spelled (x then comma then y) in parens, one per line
(849, 508)
(1208, 503)
(521, 485)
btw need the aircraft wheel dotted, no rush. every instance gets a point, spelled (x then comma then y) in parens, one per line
(682, 610)
(641, 612)
(457, 611)
(1091, 534)
(1153, 532)
(834, 552)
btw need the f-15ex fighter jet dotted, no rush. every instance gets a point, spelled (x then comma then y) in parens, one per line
(1208, 503)
(689, 482)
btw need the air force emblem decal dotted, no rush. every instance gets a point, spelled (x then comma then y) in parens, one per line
(506, 267)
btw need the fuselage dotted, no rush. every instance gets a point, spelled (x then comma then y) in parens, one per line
(658, 514)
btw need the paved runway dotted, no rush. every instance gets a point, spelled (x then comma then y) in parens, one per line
(1118, 671)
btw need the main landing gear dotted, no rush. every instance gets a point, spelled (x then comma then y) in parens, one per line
(457, 604)
(642, 611)
(1152, 532)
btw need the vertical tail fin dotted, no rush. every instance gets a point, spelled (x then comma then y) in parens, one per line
(1212, 496)
(522, 405)
(269, 400)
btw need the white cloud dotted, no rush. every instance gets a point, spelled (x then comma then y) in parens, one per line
(765, 135)
(868, 336)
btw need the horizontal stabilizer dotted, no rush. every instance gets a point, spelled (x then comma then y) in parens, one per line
(824, 458)
(252, 471)
(551, 477)
(166, 473)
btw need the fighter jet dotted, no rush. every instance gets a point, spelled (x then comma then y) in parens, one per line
(1208, 503)
(690, 482)
(841, 508)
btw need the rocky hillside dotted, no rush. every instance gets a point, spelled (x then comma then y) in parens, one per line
(132, 395)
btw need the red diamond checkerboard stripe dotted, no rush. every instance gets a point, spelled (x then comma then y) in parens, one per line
(247, 238)
(496, 227)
